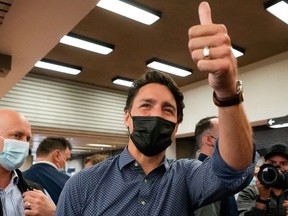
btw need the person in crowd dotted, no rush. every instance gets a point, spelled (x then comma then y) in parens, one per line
(267, 199)
(206, 133)
(141, 180)
(18, 196)
(94, 159)
(53, 153)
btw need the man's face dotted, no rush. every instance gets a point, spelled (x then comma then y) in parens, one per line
(13, 126)
(153, 100)
(278, 160)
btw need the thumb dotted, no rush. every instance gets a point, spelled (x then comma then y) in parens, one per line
(204, 12)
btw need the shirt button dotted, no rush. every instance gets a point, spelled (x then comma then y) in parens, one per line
(136, 164)
(143, 202)
(145, 180)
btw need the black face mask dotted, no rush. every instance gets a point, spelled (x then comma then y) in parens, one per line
(151, 134)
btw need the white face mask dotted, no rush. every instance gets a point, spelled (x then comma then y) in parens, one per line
(14, 153)
(65, 168)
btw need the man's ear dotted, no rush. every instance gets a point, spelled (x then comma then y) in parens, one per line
(207, 140)
(126, 118)
(56, 155)
(210, 141)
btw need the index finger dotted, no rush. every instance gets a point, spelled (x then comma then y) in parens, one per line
(204, 12)
(33, 192)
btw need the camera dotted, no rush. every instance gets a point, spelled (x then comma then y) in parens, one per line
(272, 176)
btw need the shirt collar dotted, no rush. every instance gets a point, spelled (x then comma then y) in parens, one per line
(47, 162)
(14, 177)
(126, 158)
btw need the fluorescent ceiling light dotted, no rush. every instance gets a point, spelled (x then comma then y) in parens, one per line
(168, 67)
(237, 51)
(101, 145)
(59, 67)
(122, 81)
(81, 150)
(87, 44)
(278, 9)
(131, 10)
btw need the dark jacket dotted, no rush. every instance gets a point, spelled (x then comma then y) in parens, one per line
(49, 177)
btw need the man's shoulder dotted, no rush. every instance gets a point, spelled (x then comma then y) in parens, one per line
(25, 184)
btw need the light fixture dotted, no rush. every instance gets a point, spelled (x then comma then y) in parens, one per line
(80, 150)
(87, 43)
(168, 67)
(280, 122)
(237, 51)
(101, 145)
(131, 10)
(122, 81)
(278, 8)
(59, 67)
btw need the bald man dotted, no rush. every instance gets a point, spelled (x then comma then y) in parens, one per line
(18, 196)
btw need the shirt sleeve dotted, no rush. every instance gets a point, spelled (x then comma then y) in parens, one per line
(215, 179)
(70, 200)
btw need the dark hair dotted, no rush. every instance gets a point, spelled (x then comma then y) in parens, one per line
(202, 126)
(162, 78)
(49, 144)
(97, 158)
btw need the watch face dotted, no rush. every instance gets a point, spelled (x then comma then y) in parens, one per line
(239, 86)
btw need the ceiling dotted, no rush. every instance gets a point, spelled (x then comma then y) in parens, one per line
(249, 25)
(28, 40)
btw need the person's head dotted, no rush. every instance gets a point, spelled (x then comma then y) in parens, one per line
(15, 133)
(56, 150)
(155, 103)
(206, 132)
(94, 159)
(161, 78)
(277, 155)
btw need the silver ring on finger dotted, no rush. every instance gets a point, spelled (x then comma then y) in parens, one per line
(206, 52)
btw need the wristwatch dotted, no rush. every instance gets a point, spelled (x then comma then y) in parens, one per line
(230, 101)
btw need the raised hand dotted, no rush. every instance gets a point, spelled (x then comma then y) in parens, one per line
(213, 41)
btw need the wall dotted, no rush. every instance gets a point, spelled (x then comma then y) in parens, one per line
(265, 89)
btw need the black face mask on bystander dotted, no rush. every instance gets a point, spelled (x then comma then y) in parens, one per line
(151, 134)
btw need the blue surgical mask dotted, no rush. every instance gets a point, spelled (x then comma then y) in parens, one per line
(14, 153)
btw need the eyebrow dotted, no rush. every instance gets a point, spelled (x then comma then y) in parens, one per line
(153, 101)
(167, 104)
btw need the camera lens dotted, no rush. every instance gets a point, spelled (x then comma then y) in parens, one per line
(269, 175)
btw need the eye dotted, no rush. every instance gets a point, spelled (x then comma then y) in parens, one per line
(170, 110)
(145, 105)
(16, 136)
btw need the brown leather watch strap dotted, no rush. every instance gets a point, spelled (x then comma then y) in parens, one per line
(230, 101)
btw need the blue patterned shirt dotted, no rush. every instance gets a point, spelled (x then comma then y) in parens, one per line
(118, 186)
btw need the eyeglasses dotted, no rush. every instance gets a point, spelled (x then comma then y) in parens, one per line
(213, 137)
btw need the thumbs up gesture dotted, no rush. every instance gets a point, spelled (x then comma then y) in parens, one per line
(210, 48)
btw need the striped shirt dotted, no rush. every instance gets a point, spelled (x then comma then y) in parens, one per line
(11, 198)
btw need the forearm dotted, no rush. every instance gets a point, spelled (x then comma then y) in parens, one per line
(235, 137)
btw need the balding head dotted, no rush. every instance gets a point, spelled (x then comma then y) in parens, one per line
(13, 125)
